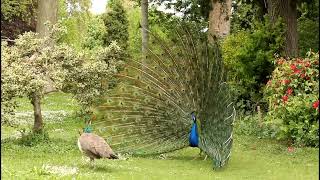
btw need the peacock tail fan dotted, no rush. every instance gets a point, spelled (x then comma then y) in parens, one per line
(149, 110)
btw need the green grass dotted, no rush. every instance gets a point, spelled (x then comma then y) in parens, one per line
(252, 158)
(51, 102)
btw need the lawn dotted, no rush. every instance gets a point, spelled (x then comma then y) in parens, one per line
(59, 157)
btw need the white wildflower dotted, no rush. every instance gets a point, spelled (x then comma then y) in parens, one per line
(60, 170)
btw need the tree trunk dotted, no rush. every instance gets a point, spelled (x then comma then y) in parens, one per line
(38, 121)
(287, 10)
(219, 19)
(144, 29)
(47, 11)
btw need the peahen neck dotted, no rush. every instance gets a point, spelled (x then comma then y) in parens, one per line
(87, 129)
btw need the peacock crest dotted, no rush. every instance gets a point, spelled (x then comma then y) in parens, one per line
(149, 112)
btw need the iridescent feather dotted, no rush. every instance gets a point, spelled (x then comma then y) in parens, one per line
(149, 111)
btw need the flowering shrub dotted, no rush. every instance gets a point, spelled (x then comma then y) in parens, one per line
(41, 65)
(292, 94)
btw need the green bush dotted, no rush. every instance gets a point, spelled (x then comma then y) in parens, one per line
(32, 139)
(308, 32)
(253, 125)
(116, 23)
(248, 57)
(308, 26)
(292, 94)
(95, 33)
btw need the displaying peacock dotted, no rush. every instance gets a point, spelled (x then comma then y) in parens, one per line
(176, 98)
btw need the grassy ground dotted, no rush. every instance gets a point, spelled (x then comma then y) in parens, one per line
(59, 157)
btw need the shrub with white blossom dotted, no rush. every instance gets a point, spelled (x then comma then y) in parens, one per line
(33, 67)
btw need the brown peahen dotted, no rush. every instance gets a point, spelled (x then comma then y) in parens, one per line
(176, 98)
(94, 146)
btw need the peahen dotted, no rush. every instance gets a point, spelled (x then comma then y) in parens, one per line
(94, 146)
(178, 90)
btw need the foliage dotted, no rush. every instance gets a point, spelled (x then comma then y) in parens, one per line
(245, 13)
(190, 10)
(134, 30)
(74, 16)
(94, 77)
(116, 23)
(32, 65)
(17, 16)
(308, 27)
(31, 139)
(308, 35)
(248, 58)
(292, 94)
(253, 125)
(27, 67)
(11, 9)
(95, 34)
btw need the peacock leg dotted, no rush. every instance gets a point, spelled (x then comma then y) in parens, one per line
(205, 158)
(200, 153)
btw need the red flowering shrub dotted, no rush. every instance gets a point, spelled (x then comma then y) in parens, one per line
(292, 94)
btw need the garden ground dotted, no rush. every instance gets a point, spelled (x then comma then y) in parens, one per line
(59, 157)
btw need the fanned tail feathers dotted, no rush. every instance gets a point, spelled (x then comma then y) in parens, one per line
(149, 111)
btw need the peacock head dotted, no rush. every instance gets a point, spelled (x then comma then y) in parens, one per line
(193, 115)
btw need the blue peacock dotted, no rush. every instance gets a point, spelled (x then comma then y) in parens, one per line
(177, 97)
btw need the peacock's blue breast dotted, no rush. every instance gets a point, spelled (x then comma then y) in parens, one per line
(194, 138)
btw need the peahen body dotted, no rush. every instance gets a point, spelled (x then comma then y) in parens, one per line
(176, 98)
(94, 146)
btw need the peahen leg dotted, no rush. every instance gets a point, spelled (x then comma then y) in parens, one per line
(92, 162)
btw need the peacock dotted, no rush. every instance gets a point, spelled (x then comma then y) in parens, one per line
(94, 146)
(176, 97)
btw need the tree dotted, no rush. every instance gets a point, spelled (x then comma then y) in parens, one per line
(47, 11)
(287, 10)
(96, 33)
(219, 18)
(245, 13)
(75, 16)
(116, 23)
(32, 63)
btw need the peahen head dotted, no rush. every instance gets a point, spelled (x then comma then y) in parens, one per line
(87, 129)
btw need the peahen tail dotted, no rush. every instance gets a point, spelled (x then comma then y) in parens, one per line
(149, 111)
